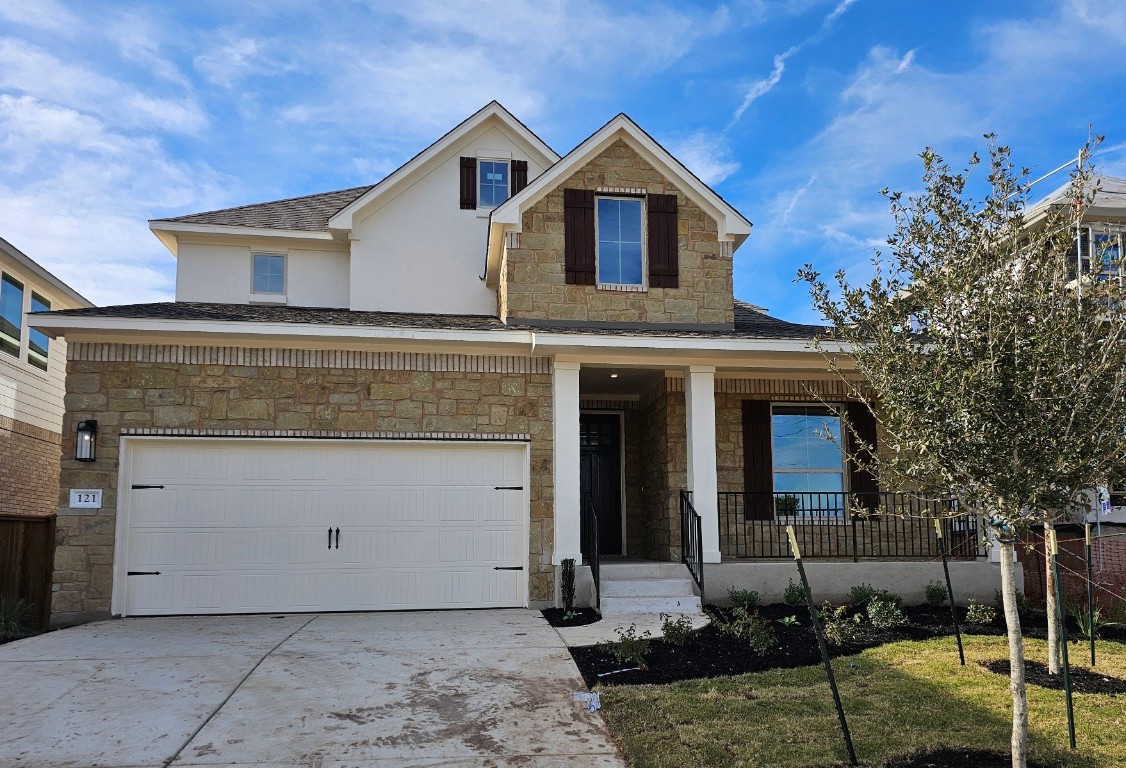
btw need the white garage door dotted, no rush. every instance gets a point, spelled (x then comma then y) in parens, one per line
(251, 526)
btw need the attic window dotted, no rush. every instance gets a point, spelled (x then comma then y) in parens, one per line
(621, 254)
(493, 179)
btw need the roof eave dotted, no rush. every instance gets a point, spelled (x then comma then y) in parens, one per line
(168, 232)
(41, 272)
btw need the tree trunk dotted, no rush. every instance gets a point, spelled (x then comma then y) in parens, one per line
(1016, 655)
(1050, 594)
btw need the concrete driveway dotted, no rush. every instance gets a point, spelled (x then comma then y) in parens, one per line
(462, 688)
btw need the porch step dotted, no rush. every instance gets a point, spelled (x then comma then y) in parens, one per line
(647, 587)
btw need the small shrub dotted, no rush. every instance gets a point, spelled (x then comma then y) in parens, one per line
(859, 595)
(794, 594)
(980, 614)
(936, 594)
(742, 598)
(789, 621)
(630, 648)
(761, 636)
(567, 586)
(676, 631)
(735, 625)
(15, 618)
(884, 612)
(839, 627)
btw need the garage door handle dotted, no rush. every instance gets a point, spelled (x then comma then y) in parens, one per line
(330, 538)
(508, 487)
(509, 568)
(142, 573)
(338, 538)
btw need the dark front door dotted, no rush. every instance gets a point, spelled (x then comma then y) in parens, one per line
(600, 456)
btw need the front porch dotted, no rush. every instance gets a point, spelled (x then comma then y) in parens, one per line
(654, 464)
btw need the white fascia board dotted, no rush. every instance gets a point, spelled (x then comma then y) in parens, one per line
(37, 269)
(342, 220)
(563, 341)
(172, 228)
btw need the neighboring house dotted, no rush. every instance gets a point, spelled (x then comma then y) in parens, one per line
(32, 373)
(412, 395)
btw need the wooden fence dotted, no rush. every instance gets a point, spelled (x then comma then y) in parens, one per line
(27, 561)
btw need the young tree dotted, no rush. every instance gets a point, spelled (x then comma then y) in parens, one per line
(995, 366)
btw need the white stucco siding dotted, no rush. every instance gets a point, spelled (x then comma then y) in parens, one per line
(221, 272)
(419, 251)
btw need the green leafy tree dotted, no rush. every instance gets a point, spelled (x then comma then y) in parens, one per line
(995, 367)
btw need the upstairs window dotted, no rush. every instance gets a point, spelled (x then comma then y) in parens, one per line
(37, 341)
(493, 179)
(11, 315)
(620, 254)
(1107, 253)
(269, 273)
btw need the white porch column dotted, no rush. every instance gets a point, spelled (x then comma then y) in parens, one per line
(699, 401)
(568, 520)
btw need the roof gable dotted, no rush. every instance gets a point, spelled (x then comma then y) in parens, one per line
(732, 225)
(492, 113)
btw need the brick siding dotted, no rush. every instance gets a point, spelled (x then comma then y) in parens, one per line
(29, 468)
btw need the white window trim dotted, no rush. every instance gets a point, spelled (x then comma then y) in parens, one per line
(842, 518)
(492, 156)
(258, 297)
(25, 332)
(643, 286)
(1093, 231)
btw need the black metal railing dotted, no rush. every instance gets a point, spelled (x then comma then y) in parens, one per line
(692, 541)
(588, 544)
(844, 525)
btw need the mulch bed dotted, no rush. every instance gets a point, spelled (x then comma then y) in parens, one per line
(580, 618)
(711, 653)
(1082, 680)
(956, 757)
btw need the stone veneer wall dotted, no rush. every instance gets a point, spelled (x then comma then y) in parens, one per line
(29, 468)
(534, 283)
(665, 468)
(146, 389)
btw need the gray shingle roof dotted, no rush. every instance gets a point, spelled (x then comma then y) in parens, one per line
(750, 323)
(308, 214)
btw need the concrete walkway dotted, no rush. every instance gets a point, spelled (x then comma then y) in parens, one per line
(461, 688)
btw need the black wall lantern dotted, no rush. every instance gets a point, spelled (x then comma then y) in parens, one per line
(84, 447)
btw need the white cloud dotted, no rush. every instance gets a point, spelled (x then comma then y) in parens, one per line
(707, 155)
(27, 69)
(40, 14)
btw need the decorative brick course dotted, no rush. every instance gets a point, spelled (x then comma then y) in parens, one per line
(29, 468)
(278, 393)
(533, 284)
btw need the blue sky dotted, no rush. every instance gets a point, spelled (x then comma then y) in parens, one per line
(797, 111)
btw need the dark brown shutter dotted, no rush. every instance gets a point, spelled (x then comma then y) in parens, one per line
(863, 427)
(468, 182)
(519, 178)
(578, 228)
(758, 462)
(663, 241)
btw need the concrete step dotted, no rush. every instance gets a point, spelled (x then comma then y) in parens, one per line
(668, 604)
(615, 587)
(610, 569)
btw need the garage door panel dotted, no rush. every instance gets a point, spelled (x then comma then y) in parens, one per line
(242, 526)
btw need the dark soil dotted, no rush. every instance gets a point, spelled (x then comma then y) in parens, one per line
(710, 653)
(580, 618)
(1082, 680)
(956, 757)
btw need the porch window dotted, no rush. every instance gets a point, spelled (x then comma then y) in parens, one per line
(808, 463)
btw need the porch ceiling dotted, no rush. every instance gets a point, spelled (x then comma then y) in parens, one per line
(595, 381)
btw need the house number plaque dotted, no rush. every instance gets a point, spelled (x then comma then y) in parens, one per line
(85, 498)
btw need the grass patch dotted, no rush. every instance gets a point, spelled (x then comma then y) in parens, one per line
(897, 697)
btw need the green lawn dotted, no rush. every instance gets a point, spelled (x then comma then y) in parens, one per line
(899, 696)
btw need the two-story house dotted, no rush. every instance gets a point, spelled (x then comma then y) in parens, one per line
(429, 392)
(32, 373)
